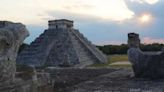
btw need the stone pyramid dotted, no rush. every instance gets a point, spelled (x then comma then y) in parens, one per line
(61, 45)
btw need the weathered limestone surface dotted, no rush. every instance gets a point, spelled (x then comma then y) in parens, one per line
(145, 64)
(68, 77)
(61, 45)
(11, 37)
(112, 81)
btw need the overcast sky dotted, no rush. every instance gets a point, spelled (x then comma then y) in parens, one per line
(101, 21)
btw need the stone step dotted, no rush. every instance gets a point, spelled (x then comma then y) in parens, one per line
(92, 47)
(84, 55)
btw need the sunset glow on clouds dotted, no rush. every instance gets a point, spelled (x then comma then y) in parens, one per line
(111, 19)
(114, 10)
(148, 40)
(27, 10)
(146, 1)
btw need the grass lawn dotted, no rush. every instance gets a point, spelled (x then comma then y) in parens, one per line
(117, 58)
(113, 59)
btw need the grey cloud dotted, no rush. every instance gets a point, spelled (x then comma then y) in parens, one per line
(97, 29)
(72, 16)
(84, 6)
(156, 9)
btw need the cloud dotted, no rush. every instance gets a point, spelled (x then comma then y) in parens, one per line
(71, 16)
(149, 40)
(113, 10)
(24, 11)
(27, 10)
(146, 1)
(96, 19)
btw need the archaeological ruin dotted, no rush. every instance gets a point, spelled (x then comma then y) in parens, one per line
(145, 64)
(12, 36)
(61, 45)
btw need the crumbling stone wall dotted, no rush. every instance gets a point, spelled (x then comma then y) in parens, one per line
(11, 37)
(145, 64)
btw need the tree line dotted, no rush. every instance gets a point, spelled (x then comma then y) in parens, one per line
(117, 49)
(122, 49)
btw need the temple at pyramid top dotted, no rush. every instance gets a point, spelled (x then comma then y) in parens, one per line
(62, 23)
(61, 45)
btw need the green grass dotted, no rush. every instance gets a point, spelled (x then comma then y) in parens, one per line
(117, 58)
(120, 66)
(113, 59)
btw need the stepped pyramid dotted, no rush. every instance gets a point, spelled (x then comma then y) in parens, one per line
(61, 45)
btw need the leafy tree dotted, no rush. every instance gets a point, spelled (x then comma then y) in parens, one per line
(122, 49)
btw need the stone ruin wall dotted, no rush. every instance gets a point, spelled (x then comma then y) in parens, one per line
(11, 37)
(145, 64)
